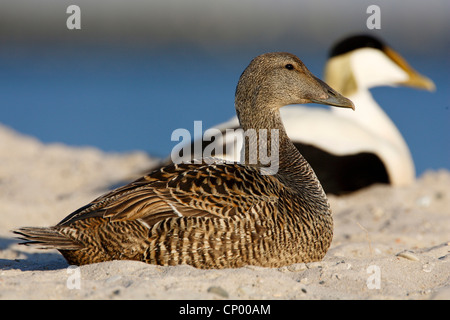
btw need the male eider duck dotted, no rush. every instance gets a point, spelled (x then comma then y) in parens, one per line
(218, 215)
(347, 150)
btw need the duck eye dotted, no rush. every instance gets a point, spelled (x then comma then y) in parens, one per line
(289, 66)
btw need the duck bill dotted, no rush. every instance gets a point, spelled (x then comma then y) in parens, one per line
(415, 79)
(341, 102)
(419, 81)
(332, 97)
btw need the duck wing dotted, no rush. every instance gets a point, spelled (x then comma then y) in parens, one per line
(185, 190)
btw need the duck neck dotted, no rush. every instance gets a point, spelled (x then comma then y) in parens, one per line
(267, 146)
(372, 117)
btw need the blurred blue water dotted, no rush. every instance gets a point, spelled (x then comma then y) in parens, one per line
(122, 99)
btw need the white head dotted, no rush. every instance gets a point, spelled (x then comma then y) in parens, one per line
(372, 67)
(362, 62)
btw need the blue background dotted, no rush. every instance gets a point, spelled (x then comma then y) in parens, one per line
(126, 80)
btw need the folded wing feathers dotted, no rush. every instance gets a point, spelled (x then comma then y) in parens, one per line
(46, 238)
(214, 191)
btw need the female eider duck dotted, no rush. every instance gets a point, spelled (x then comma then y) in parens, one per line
(347, 150)
(218, 215)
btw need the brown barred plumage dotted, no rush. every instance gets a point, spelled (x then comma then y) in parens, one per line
(217, 215)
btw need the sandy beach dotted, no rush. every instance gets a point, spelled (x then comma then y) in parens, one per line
(389, 243)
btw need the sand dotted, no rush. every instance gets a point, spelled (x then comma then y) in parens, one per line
(389, 243)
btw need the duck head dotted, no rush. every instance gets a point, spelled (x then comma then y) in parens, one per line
(364, 61)
(273, 80)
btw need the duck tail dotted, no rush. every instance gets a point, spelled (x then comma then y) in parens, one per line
(45, 238)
